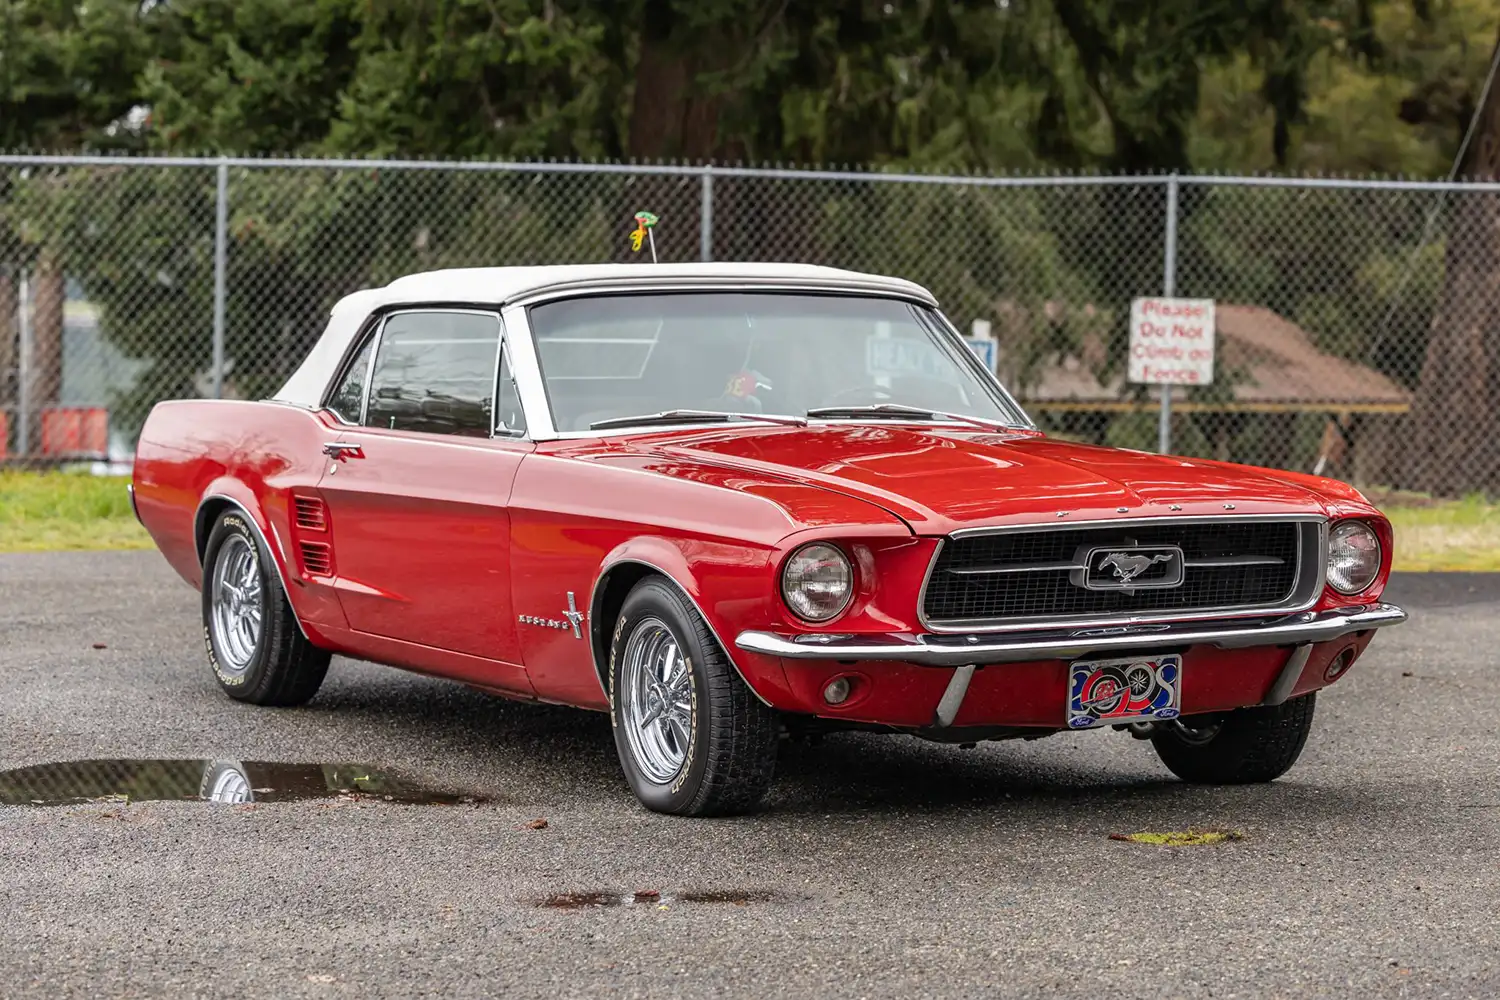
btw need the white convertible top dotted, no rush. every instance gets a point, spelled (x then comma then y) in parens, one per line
(498, 286)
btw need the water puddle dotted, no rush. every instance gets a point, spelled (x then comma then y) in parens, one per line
(592, 900)
(232, 781)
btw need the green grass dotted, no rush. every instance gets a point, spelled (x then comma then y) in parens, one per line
(41, 511)
(1445, 534)
(61, 510)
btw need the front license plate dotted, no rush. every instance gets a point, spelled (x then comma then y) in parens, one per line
(1109, 692)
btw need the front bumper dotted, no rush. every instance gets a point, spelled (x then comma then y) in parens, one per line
(1068, 644)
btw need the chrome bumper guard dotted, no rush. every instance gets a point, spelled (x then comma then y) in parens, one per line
(1067, 644)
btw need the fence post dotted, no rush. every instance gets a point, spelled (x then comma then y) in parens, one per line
(221, 263)
(1168, 289)
(23, 367)
(706, 215)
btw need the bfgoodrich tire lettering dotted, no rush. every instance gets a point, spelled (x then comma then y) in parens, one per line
(726, 745)
(1251, 745)
(270, 663)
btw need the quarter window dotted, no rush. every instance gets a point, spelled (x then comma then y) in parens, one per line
(435, 372)
(511, 418)
(348, 399)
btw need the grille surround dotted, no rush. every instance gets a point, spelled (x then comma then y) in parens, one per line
(1307, 582)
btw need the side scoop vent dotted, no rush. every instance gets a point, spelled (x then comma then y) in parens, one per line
(310, 513)
(317, 558)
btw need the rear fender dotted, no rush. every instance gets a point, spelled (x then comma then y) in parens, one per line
(230, 495)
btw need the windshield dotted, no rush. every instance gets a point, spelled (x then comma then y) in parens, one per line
(609, 357)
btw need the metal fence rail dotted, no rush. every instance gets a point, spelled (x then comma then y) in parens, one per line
(128, 281)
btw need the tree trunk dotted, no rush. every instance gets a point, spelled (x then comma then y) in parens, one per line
(8, 344)
(1454, 443)
(45, 372)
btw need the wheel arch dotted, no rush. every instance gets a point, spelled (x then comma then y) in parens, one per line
(615, 582)
(214, 505)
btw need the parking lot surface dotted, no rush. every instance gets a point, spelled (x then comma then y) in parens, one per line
(882, 867)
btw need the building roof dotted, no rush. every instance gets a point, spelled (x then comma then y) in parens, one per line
(1280, 364)
(499, 286)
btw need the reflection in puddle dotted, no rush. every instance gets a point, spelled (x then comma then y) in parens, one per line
(76, 781)
(588, 900)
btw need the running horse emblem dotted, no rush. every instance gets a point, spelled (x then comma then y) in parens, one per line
(1128, 567)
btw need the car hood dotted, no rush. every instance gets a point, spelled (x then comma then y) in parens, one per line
(941, 479)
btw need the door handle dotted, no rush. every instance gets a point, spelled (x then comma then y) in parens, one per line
(341, 450)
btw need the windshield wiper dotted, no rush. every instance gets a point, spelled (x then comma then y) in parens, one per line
(900, 411)
(695, 417)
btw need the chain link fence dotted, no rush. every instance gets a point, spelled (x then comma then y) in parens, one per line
(1358, 322)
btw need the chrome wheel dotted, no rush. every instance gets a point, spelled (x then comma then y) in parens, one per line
(237, 604)
(230, 785)
(656, 701)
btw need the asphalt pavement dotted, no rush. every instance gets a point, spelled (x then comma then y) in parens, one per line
(882, 867)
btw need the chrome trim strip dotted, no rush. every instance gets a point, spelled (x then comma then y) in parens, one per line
(1298, 601)
(1067, 567)
(130, 491)
(1060, 644)
(1281, 688)
(1228, 561)
(1136, 516)
(1033, 568)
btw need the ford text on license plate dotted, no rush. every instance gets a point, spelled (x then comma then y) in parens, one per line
(1136, 689)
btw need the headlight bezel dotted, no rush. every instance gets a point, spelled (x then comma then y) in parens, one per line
(1342, 530)
(785, 582)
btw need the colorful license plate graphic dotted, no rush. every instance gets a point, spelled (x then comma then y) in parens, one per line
(1109, 692)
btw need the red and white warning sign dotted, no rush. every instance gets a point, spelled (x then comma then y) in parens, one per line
(1172, 341)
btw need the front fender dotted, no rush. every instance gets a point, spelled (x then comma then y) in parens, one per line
(685, 562)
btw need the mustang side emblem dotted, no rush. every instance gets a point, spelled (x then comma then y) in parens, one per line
(571, 618)
(1128, 567)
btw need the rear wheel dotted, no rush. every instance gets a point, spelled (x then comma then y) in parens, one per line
(256, 649)
(1236, 748)
(692, 737)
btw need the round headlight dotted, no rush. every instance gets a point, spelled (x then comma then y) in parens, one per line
(1353, 557)
(817, 582)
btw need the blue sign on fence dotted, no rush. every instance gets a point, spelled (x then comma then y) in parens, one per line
(984, 349)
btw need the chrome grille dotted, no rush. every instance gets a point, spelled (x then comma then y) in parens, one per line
(1024, 575)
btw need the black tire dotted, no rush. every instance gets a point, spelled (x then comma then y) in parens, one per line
(282, 667)
(1250, 745)
(730, 752)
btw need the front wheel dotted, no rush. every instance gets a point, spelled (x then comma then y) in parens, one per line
(692, 737)
(1236, 748)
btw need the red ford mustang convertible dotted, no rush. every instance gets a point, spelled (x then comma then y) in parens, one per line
(723, 502)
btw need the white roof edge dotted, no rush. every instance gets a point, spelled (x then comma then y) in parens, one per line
(505, 284)
(502, 285)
